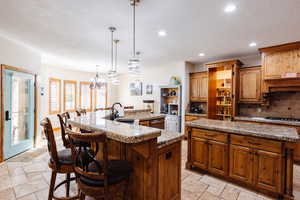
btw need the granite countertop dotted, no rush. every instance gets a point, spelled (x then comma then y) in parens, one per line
(243, 128)
(264, 120)
(168, 138)
(143, 116)
(197, 114)
(122, 132)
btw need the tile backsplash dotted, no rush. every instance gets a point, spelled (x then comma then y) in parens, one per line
(282, 104)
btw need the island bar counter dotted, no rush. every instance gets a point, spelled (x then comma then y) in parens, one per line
(151, 151)
(259, 157)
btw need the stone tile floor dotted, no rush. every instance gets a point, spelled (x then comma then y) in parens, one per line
(26, 177)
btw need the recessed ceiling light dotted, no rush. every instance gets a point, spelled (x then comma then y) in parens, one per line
(230, 8)
(162, 33)
(252, 44)
(201, 54)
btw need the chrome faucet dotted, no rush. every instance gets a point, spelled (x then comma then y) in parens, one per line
(114, 112)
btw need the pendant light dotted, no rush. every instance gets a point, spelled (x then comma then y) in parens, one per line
(115, 80)
(98, 81)
(134, 62)
(112, 73)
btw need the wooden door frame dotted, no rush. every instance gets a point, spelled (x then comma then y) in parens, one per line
(17, 69)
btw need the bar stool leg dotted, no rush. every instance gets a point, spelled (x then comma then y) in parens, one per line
(68, 177)
(81, 196)
(52, 185)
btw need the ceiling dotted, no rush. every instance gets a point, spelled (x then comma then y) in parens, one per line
(75, 32)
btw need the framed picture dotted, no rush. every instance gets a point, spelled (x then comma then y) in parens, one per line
(135, 88)
(149, 89)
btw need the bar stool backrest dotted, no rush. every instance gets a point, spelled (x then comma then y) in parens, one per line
(48, 131)
(63, 120)
(85, 157)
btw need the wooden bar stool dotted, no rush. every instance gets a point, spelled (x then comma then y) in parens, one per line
(60, 162)
(63, 120)
(100, 179)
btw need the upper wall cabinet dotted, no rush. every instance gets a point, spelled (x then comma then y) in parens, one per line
(198, 87)
(250, 85)
(281, 62)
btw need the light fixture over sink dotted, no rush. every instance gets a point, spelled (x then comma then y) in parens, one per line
(112, 73)
(134, 67)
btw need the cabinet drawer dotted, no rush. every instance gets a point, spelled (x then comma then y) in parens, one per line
(191, 118)
(257, 143)
(211, 135)
(145, 123)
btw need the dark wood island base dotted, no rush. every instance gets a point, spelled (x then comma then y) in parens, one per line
(256, 162)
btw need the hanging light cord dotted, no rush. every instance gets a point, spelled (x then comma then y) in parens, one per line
(134, 4)
(116, 51)
(112, 49)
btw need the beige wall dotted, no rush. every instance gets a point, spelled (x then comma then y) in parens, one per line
(157, 76)
(59, 72)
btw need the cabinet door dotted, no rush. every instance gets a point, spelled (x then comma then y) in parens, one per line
(241, 163)
(169, 166)
(218, 158)
(199, 152)
(203, 88)
(272, 65)
(250, 84)
(268, 171)
(194, 88)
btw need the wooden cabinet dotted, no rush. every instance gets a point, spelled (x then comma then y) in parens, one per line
(256, 167)
(169, 169)
(259, 163)
(144, 123)
(158, 123)
(240, 169)
(280, 60)
(250, 85)
(208, 151)
(199, 152)
(218, 158)
(278, 64)
(268, 171)
(199, 87)
(223, 89)
(155, 123)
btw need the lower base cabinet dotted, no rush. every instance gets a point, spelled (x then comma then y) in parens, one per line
(155, 123)
(169, 172)
(268, 173)
(256, 167)
(210, 155)
(199, 152)
(240, 167)
(218, 158)
(261, 164)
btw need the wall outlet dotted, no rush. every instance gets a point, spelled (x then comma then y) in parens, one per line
(259, 110)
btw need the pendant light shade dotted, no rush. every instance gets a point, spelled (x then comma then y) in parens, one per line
(115, 80)
(98, 81)
(134, 67)
(112, 73)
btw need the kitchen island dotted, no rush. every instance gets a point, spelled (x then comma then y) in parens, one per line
(256, 156)
(154, 153)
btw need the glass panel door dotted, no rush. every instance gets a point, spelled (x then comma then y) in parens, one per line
(18, 112)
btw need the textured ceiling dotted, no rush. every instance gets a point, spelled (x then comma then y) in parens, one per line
(75, 32)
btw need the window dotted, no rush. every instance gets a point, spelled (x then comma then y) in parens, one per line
(70, 96)
(85, 96)
(101, 97)
(54, 96)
